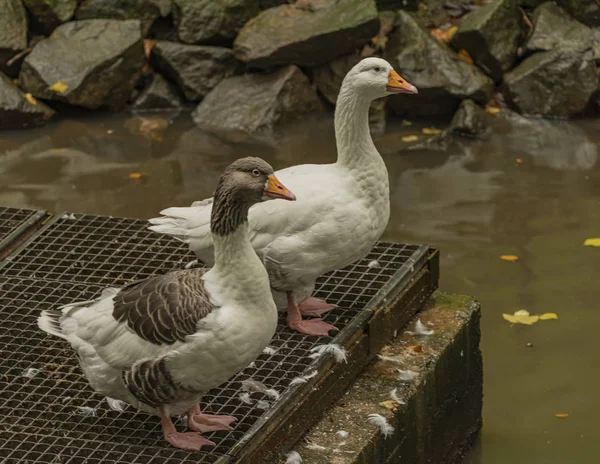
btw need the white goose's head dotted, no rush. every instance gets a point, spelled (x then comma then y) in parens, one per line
(375, 78)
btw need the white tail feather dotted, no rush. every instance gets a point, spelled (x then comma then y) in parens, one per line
(49, 323)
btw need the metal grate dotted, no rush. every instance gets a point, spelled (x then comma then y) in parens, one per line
(14, 221)
(42, 417)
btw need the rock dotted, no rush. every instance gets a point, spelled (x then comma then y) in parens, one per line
(264, 4)
(257, 102)
(328, 80)
(210, 21)
(100, 62)
(18, 111)
(557, 83)
(443, 79)
(553, 27)
(196, 69)
(46, 15)
(409, 5)
(307, 36)
(159, 94)
(147, 11)
(596, 40)
(490, 34)
(470, 120)
(13, 33)
(586, 11)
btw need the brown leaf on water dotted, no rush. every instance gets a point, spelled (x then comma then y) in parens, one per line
(464, 55)
(410, 138)
(561, 415)
(59, 87)
(31, 99)
(430, 131)
(509, 258)
(148, 45)
(136, 175)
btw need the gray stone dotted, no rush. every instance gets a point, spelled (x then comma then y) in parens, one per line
(100, 62)
(596, 41)
(470, 120)
(210, 21)
(557, 83)
(47, 14)
(490, 34)
(256, 103)
(17, 111)
(553, 27)
(586, 11)
(306, 36)
(13, 33)
(159, 94)
(196, 69)
(443, 79)
(264, 4)
(146, 11)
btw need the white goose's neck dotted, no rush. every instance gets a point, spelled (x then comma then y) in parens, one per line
(355, 146)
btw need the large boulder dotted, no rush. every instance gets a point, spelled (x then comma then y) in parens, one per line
(470, 120)
(210, 21)
(100, 62)
(306, 36)
(586, 11)
(557, 83)
(553, 27)
(196, 69)
(158, 95)
(490, 34)
(48, 14)
(13, 33)
(443, 79)
(256, 103)
(18, 110)
(147, 11)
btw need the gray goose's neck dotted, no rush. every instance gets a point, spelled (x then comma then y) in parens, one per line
(355, 147)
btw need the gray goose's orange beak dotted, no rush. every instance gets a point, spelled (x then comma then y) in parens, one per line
(276, 189)
(397, 84)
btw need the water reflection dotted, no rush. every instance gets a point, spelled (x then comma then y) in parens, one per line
(531, 189)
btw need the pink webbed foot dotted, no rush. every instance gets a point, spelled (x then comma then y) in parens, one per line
(208, 422)
(312, 327)
(315, 307)
(191, 441)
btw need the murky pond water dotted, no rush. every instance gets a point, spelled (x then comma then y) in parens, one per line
(531, 190)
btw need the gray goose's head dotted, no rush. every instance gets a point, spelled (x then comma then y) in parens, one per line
(244, 182)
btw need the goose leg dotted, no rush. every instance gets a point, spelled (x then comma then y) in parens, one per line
(199, 422)
(315, 307)
(308, 327)
(191, 441)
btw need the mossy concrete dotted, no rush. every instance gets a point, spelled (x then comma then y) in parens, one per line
(442, 412)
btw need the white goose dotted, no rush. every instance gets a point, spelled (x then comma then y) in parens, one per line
(342, 208)
(160, 343)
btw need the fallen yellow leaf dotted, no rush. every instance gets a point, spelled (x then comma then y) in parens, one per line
(492, 109)
(519, 160)
(509, 258)
(389, 404)
(548, 316)
(31, 99)
(405, 123)
(430, 131)
(148, 45)
(136, 175)
(444, 35)
(416, 348)
(410, 138)
(59, 87)
(521, 317)
(562, 415)
(464, 55)
(595, 242)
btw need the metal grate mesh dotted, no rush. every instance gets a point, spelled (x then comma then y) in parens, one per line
(11, 218)
(54, 416)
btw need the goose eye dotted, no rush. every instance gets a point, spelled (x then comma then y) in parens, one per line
(255, 172)
(377, 69)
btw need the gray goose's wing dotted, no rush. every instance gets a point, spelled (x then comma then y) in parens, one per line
(164, 309)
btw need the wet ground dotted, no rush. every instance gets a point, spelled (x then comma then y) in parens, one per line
(530, 190)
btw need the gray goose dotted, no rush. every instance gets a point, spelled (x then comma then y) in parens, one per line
(159, 344)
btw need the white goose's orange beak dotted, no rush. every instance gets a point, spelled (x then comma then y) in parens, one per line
(276, 189)
(397, 84)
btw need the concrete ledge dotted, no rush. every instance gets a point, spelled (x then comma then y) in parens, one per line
(442, 412)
